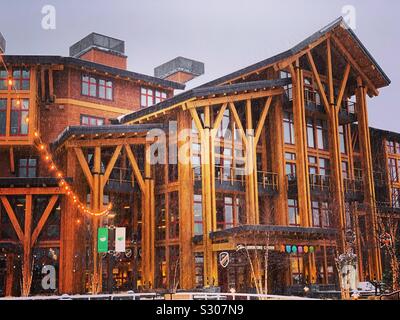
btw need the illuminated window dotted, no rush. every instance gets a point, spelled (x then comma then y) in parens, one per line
(297, 269)
(160, 217)
(21, 79)
(19, 117)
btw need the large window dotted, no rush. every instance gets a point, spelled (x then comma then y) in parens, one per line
(342, 139)
(290, 166)
(297, 269)
(288, 128)
(199, 270)
(160, 217)
(91, 121)
(27, 168)
(396, 197)
(310, 133)
(198, 215)
(3, 116)
(294, 216)
(394, 176)
(230, 211)
(321, 214)
(393, 147)
(19, 117)
(21, 79)
(97, 88)
(149, 97)
(173, 212)
(322, 134)
(3, 79)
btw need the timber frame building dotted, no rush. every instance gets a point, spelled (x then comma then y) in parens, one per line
(320, 180)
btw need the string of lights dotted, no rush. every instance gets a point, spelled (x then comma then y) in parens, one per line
(49, 160)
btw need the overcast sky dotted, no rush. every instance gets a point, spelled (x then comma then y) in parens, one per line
(224, 34)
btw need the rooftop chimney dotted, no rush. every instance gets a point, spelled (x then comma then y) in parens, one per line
(2, 44)
(180, 70)
(100, 49)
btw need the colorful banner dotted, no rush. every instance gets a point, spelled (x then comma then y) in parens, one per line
(102, 240)
(120, 237)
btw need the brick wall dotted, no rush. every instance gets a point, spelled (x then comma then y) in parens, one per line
(106, 58)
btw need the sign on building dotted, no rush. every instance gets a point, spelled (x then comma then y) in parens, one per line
(120, 236)
(102, 240)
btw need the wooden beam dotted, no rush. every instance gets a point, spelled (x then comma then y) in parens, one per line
(84, 166)
(43, 219)
(13, 218)
(238, 122)
(135, 167)
(236, 98)
(33, 191)
(27, 259)
(197, 121)
(343, 86)
(219, 117)
(111, 164)
(51, 83)
(106, 142)
(330, 72)
(351, 60)
(261, 122)
(319, 83)
(12, 160)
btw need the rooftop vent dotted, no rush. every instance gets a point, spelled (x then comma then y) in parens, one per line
(2, 44)
(100, 49)
(180, 70)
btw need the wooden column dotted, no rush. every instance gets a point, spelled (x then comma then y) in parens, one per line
(303, 185)
(9, 283)
(278, 163)
(186, 195)
(27, 259)
(67, 278)
(369, 188)
(96, 204)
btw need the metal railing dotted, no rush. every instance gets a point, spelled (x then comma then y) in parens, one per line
(349, 107)
(353, 185)
(234, 296)
(319, 182)
(268, 179)
(230, 174)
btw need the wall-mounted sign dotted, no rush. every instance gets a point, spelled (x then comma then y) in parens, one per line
(102, 240)
(224, 259)
(120, 236)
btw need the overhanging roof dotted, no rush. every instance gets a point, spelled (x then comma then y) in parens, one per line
(342, 31)
(110, 130)
(201, 92)
(33, 59)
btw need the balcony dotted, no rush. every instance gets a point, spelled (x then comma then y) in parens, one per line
(354, 189)
(319, 184)
(228, 178)
(291, 184)
(312, 101)
(348, 112)
(267, 183)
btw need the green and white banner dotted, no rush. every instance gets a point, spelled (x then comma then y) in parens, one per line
(102, 240)
(120, 236)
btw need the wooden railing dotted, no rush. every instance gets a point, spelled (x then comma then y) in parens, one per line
(319, 182)
(268, 180)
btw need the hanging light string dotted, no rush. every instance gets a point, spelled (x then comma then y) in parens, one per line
(49, 160)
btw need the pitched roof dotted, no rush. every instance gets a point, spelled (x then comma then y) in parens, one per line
(205, 91)
(42, 59)
(339, 26)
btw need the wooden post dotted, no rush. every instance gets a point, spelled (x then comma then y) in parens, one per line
(369, 188)
(27, 259)
(9, 283)
(303, 185)
(95, 206)
(186, 194)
